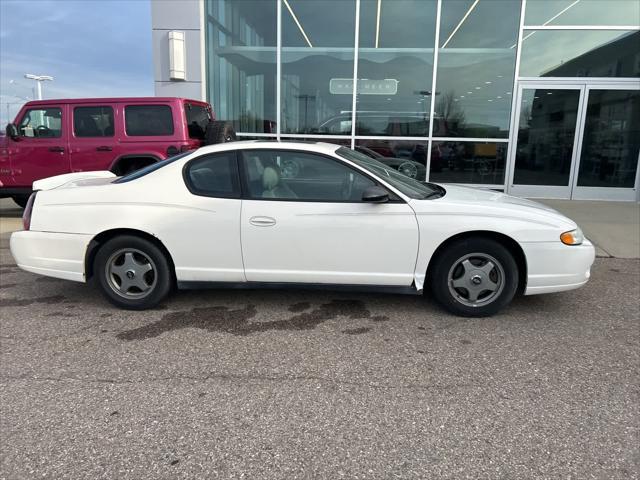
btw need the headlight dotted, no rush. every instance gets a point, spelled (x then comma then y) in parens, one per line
(574, 237)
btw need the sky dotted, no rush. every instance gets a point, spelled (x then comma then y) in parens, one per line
(92, 48)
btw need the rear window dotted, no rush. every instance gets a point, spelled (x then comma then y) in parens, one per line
(197, 120)
(148, 120)
(150, 168)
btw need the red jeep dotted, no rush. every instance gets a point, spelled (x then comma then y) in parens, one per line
(52, 137)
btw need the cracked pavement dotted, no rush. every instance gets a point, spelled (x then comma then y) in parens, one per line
(308, 384)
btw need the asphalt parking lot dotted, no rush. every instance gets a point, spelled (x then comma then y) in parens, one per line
(292, 384)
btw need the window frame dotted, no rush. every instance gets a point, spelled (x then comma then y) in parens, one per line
(236, 180)
(138, 105)
(73, 120)
(246, 194)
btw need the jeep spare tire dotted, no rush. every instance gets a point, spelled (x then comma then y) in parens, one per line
(219, 132)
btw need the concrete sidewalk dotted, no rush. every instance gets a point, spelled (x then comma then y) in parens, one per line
(613, 226)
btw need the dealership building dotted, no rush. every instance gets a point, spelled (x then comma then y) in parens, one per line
(539, 98)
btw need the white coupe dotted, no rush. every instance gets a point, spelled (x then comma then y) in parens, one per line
(261, 214)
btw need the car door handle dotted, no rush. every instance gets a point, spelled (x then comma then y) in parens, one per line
(56, 149)
(262, 221)
(104, 149)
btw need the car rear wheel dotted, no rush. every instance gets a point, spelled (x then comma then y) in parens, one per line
(474, 277)
(132, 272)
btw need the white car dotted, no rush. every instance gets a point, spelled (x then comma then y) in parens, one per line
(237, 214)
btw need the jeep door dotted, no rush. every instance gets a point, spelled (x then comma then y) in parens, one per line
(41, 149)
(93, 142)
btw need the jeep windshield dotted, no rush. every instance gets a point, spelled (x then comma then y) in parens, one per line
(410, 187)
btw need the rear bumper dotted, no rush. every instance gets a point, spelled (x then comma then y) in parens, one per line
(555, 267)
(59, 255)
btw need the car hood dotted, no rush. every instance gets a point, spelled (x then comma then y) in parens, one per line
(479, 202)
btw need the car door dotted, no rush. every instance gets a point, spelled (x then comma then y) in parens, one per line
(303, 221)
(92, 144)
(41, 147)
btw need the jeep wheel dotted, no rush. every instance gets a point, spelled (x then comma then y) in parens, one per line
(219, 132)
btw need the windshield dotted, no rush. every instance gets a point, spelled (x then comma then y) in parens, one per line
(151, 168)
(410, 187)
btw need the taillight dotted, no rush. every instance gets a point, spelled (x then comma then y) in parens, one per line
(28, 210)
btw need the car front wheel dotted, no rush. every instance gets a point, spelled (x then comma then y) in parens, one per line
(474, 277)
(132, 272)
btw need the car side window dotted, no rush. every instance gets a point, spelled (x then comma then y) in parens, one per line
(41, 123)
(148, 120)
(213, 175)
(301, 176)
(93, 122)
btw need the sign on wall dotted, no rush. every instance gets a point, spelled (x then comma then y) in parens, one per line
(344, 86)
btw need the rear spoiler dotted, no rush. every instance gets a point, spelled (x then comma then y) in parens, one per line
(59, 180)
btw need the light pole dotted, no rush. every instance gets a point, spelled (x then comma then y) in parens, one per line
(24, 99)
(39, 79)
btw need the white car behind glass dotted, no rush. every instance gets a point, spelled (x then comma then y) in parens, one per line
(236, 214)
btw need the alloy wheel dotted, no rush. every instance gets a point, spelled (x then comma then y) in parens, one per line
(131, 273)
(476, 279)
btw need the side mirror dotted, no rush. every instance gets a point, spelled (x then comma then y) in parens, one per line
(12, 131)
(375, 194)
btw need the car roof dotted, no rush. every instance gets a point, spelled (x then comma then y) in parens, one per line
(147, 100)
(318, 147)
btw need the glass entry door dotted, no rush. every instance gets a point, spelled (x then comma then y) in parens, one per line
(576, 141)
(546, 146)
(609, 149)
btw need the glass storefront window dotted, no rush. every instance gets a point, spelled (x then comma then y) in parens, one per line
(580, 53)
(260, 138)
(476, 65)
(241, 40)
(585, 12)
(344, 142)
(395, 67)
(408, 157)
(611, 141)
(317, 66)
(468, 162)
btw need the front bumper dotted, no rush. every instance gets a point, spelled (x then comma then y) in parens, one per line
(555, 267)
(59, 255)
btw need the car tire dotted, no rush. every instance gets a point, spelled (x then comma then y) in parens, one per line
(474, 277)
(219, 132)
(21, 200)
(132, 272)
